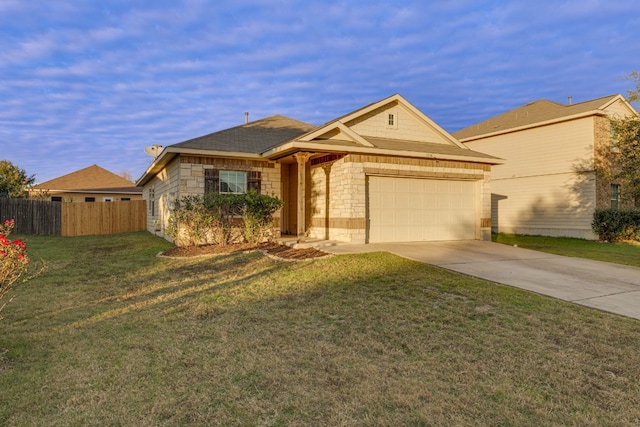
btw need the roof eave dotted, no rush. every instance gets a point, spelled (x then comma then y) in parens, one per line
(535, 125)
(290, 148)
(89, 190)
(169, 153)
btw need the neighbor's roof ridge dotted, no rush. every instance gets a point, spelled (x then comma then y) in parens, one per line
(92, 177)
(531, 113)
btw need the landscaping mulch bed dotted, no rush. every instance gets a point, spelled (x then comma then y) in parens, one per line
(274, 249)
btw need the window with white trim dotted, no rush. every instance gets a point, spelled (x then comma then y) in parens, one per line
(231, 182)
(152, 201)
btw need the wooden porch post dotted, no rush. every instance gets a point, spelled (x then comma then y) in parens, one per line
(301, 158)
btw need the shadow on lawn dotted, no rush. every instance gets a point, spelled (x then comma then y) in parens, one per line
(177, 282)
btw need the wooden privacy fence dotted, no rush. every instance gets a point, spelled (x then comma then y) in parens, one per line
(74, 219)
(84, 219)
(32, 216)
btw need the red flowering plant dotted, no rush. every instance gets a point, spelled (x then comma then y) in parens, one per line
(14, 262)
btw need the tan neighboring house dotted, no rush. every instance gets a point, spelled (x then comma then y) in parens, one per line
(91, 184)
(383, 173)
(548, 184)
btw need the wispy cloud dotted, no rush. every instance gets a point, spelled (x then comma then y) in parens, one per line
(94, 82)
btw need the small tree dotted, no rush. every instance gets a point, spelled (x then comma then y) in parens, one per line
(620, 162)
(258, 216)
(633, 95)
(626, 160)
(13, 180)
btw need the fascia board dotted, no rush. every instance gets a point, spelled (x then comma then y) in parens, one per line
(536, 125)
(357, 138)
(624, 101)
(424, 118)
(292, 147)
(333, 126)
(170, 152)
(371, 107)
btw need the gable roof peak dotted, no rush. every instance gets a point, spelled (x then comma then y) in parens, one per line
(91, 177)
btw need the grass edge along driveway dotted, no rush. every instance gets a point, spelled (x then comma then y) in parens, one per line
(112, 335)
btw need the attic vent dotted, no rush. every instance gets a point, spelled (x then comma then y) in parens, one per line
(392, 120)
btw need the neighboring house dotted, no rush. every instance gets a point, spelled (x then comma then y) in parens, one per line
(548, 184)
(383, 173)
(91, 184)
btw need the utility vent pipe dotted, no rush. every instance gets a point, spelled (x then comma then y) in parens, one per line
(246, 117)
(570, 100)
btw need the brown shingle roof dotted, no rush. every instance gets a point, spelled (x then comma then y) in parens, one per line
(529, 114)
(425, 147)
(91, 178)
(254, 137)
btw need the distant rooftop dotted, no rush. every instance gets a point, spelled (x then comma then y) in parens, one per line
(529, 114)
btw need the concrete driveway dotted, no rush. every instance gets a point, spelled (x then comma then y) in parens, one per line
(605, 286)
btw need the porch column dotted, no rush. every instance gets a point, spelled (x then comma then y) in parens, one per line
(327, 197)
(301, 158)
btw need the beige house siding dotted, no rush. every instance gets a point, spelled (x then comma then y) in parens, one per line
(618, 109)
(160, 193)
(339, 194)
(551, 205)
(407, 126)
(547, 184)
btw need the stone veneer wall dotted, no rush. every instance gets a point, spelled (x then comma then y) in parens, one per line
(185, 176)
(159, 193)
(346, 219)
(192, 173)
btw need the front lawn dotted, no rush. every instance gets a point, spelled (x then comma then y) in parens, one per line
(621, 253)
(112, 335)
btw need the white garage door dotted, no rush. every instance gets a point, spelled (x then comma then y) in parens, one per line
(413, 209)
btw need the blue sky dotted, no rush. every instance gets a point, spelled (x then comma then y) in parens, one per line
(94, 82)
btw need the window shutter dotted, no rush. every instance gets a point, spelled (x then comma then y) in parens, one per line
(254, 180)
(211, 181)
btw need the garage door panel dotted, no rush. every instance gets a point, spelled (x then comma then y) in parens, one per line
(414, 209)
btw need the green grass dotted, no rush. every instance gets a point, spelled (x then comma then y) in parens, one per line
(621, 253)
(112, 335)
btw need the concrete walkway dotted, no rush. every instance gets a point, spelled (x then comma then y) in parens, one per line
(602, 285)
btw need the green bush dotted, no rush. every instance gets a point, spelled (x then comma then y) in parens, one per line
(258, 216)
(223, 218)
(224, 208)
(190, 222)
(614, 225)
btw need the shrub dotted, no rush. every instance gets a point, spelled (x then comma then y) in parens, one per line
(223, 218)
(614, 225)
(224, 209)
(258, 216)
(190, 222)
(14, 262)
